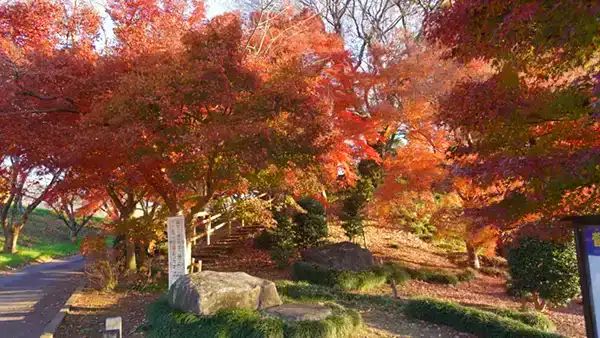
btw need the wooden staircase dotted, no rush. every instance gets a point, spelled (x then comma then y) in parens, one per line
(210, 254)
(218, 236)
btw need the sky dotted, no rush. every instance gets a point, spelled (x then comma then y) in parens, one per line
(216, 7)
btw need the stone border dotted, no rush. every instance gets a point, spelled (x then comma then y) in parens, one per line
(51, 327)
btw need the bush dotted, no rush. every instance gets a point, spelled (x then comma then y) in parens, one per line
(494, 272)
(163, 321)
(354, 203)
(310, 227)
(433, 276)
(493, 261)
(472, 320)
(534, 319)
(466, 275)
(281, 255)
(345, 280)
(546, 269)
(396, 273)
(265, 240)
(101, 274)
(93, 247)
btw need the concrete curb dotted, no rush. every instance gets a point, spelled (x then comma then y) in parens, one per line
(51, 327)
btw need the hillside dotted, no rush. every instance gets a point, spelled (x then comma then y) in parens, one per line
(43, 237)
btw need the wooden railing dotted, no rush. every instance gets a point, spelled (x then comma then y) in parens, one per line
(210, 229)
(209, 221)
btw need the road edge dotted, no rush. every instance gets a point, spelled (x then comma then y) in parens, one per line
(51, 327)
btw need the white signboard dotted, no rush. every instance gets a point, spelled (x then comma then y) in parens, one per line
(176, 237)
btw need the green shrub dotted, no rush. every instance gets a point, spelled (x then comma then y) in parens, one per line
(472, 320)
(432, 276)
(466, 275)
(310, 227)
(167, 322)
(281, 255)
(493, 261)
(395, 272)
(354, 203)
(546, 269)
(163, 321)
(305, 292)
(534, 319)
(345, 280)
(265, 240)
(494, 272)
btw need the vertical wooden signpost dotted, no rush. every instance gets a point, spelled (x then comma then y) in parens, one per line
(177, 253)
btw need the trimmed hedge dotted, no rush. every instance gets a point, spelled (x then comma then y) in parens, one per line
(534, 319)
(365, 280)
(494, 272)
(432, 276)
(304, 292)
(472, 320)
(163, 321)
(466, 275)
(345, 280)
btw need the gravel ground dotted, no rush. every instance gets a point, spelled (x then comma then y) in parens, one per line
(86, 319)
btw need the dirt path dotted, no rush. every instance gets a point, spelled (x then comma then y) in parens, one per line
(31, 297)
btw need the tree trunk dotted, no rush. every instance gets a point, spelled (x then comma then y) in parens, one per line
(539, 303)
(143, 255)
(473, 257)
(394, 288)
(73, 235)
(131, 264)
(11, 235)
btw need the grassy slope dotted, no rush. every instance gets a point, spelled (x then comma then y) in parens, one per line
(42, 238)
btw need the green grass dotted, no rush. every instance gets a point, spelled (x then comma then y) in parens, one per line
(468, 319)
(43, 237)
(163, 321)
(37, 252)
(345, 280)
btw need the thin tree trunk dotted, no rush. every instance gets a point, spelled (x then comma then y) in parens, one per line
(539, 303)
(394, 288)
(143, 255)
(473, 257)
(131, 263)
(11, 235)
(72, 235)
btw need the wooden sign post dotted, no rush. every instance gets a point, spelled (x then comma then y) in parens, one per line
(177, 254)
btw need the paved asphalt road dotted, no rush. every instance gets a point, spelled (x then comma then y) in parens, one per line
(31, 297)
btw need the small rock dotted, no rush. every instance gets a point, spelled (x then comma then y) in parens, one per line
(300, 311)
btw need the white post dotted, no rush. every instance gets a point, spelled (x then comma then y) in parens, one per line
(113, 327)
(208, 227)
(179, 253)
